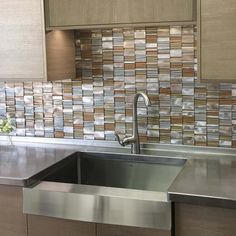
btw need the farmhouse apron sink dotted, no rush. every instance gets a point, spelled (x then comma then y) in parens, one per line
(120, 189)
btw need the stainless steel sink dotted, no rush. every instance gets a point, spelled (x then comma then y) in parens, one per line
(107, 188)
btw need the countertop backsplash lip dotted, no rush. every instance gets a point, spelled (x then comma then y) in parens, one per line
(154, 149)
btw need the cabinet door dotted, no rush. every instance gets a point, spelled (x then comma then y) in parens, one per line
(22, 40)
(204, 221)
(12, 220)
(217, 34)
(47, 226)
(114, 230)
(60, 47)
(87, 13)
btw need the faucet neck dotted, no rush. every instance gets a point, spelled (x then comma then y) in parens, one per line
(134, 139)
(136, 144)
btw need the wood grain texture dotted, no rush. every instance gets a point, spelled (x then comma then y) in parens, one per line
(22, 44)
(204, 221)
(115, 230)
(217, 33)
(46, 226)
(60, 47)
(12, 221)
(64, 13)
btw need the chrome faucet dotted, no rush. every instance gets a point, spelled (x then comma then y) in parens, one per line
(134, 139)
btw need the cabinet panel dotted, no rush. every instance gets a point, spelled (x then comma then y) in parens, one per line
(204, 221)
(22, 44)
(12, 221)
(47, 226)
(217, 33)
(60, 47)
(64, 13)
(115, 230)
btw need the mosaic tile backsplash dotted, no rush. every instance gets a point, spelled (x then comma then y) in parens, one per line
(112, 65)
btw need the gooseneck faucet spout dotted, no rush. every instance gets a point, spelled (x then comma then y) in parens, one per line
(134, 139)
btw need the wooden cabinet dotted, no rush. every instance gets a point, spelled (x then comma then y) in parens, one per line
(12, 220)
(22, 45)
(87, 13)
(46, 226)
(216, 38)
(22, 41)
(116, 230)
(198, 220)
(60, 48)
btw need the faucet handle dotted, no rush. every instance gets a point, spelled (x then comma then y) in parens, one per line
(119, 140)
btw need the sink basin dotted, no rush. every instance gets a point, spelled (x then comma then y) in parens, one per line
(121, 171)
(121, 189)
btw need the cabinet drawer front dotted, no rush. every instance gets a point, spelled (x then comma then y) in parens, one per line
(117, 230)
(12, 221)
(47, 226)
(64, 13)
(197, 220)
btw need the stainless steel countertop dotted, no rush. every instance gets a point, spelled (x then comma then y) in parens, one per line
(208, 177)
(206, 181)
(25, 161)
(20, 164)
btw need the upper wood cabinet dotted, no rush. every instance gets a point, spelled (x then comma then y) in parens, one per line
(60, 50)
(22, 40)
(100, 13)
(23, 53)
(217, 40)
